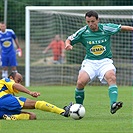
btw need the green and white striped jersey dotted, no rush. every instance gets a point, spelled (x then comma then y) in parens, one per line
(96, 43)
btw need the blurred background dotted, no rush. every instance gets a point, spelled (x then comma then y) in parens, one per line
(16, 9)
(13, 13)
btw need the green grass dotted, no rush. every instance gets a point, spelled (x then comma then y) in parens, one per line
(97, 118)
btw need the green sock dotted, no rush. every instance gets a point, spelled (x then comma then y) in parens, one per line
(113, 94)
(79, 96)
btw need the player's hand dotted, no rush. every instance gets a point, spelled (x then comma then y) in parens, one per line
(19, 52)
(35, 94)
(68, 47)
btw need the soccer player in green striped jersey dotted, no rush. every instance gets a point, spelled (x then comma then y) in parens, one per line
(95, 37)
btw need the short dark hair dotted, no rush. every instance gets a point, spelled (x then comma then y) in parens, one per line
(91, 13)
(12, 74)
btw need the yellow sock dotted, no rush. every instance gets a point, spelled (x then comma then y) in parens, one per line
(42, 105)
(22, 116)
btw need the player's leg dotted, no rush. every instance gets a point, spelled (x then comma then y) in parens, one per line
(107, 74)
(83, 79)
(113, 91)
(5, 72)
(13, 105)
(45, 106)
(26, 116)
(4, 60)
(13, 62)
(14, 69)
(22, 116)
(86, 74)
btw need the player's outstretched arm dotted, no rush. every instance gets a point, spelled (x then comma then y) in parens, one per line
(126, 28)
(21, 88)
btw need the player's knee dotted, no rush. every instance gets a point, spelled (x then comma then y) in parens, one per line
(32, 116)
(111, 80)
(80, 84)
(110, 77)
(114, 78)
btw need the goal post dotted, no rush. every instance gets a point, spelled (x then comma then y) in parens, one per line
(43, 22)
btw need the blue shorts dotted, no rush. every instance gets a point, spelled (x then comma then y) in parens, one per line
(11, 105)
(9, 59)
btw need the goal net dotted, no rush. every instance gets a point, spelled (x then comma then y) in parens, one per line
(43, 23)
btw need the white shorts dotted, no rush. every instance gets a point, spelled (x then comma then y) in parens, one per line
(97, 68)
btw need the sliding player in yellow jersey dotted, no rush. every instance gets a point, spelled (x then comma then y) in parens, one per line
(11, 106)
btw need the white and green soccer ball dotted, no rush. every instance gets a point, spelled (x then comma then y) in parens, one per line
(77, 111)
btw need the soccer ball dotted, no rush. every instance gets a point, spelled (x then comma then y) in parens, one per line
(77, 111)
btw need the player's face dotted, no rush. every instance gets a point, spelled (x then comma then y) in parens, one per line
(18, 78)
(92, 23)
(57, 37)
(3, 27)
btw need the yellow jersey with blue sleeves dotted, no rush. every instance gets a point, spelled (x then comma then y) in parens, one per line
(6, 87)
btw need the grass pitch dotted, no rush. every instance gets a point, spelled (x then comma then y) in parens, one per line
(97, 118)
